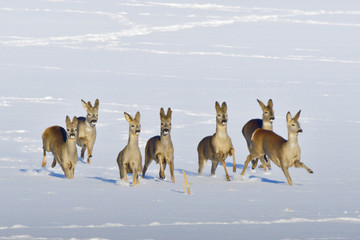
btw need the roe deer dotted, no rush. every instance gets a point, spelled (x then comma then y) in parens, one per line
(264, 123)
(129, 159)
(218, 146)
(284, 153)
(87, 130)
(62, 144)
(160, 148)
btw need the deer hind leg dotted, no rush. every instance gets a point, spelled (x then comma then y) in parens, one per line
(262, 159)
(248, 159)
(148, 160)
(43, 164)
(299, 164)
(202, 162)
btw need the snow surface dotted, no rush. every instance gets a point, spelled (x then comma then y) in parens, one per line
(142, 55)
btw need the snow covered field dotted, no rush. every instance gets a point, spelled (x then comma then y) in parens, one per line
(142, 55)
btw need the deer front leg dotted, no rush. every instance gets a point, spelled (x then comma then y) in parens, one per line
(89, 149)
(171, 166)
(287, 175)
(232, 153)
(224, 165)
(160, 158)
(134, 177)
(299, 164)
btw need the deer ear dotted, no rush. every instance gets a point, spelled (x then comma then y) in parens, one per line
(67, 120)
(85, 105)
(297, 116)
(224, 106)
(169, 113)
(270, 104)
(128, 117)
(288, 117)
(262, 105)
(96, 105)
(75, 120)
(137, 117)
(162, 113)
(89, 104)
(217, 106)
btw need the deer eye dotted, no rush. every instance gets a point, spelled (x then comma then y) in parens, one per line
(266, 112)
(67, 129)
(132, 126)
(293, 125)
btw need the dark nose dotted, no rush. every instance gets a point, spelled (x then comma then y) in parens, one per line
(93, 121)
(72, 135)
(224, 121)
(272, 118)
(166, 131)
(137, 131)
(300, 131)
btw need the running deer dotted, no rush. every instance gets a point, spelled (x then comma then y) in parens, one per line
(284, 153)
(87, 130)
(218, 146)
(160, 148)
(265, 123)
(62, 144)
(129, 159)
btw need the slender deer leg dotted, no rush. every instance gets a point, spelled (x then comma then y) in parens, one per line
(224, 165)
(43, 164)
(232, 153)
(248, 159)
(299, 164)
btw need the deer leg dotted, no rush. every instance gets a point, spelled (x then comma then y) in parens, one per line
(214, 165)
(248, 159)
(161, 162)
(134, 177)
(148, 160)
(299, 164)
(287, 175)
(226, 173)
(171, 166)
(262, 159)
(232, 153)
(254, 163)
(43, 164)
(89, 149)
(202, 162)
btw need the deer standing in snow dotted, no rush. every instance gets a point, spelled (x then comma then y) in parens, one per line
(160, 148)
(87, 128)
(62, 144)
(129, 159)
(218, 146)
(284, 153)
(265, 123)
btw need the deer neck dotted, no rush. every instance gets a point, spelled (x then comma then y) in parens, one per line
(70, 145)
(267, 125)
(293, 139)
(133, 140)
(165, 139)
(221, 130)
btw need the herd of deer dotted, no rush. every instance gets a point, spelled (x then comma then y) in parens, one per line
(262, 143)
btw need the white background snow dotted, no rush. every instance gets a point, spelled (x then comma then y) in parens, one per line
(142, 55)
